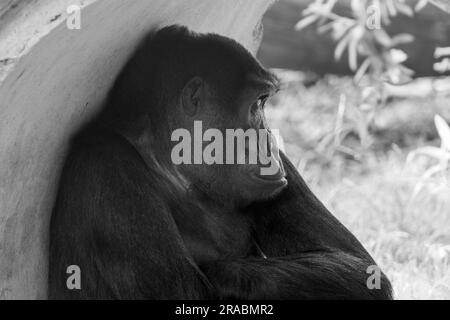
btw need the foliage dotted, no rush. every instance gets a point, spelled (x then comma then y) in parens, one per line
(436, 175)
(363, 33)
(373, 54)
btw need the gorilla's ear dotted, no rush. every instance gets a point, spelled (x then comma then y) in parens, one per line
(192, 96)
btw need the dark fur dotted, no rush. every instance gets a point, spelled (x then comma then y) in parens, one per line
(132, 223)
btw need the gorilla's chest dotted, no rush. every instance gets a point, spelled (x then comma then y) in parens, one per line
(218, 236)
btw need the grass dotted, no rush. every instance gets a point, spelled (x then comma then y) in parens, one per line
(365, 180)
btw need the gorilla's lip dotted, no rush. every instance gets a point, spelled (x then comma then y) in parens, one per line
(278, 180)
(279, 176)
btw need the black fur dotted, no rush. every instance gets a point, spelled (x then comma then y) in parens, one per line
(137, 230)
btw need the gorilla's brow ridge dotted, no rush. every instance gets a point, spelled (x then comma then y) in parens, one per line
(266, 82)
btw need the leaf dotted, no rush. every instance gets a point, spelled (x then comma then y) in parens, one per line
(385, 15)
(426, 176)
(420, 5)
(353, 54)
(357, 34)
(326, 27)
(433, 152)
(306, 22)
(391, 8)
(330, 4)
(341, 27)
(443, 130)
(383, 38)
(358, 6)
(398, 56)
(404, 8)
(362, 70)
(402, 38)
(341, 46)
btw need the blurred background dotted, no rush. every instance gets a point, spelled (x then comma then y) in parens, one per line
(364, 112)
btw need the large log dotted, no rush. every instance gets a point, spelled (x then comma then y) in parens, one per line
(283, 47)
(57, 86)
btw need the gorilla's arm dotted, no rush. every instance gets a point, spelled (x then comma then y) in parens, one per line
(311, 255)
(313, 275)
(297, 223)
(110, 222)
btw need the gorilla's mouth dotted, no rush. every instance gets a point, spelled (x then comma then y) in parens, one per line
(276, 181)
(280, 175)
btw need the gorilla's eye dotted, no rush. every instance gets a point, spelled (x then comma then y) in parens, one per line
(260, 103)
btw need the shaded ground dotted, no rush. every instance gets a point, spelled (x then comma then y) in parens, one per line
(364, 179)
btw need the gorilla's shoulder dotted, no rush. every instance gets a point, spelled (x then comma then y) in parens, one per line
(101, 144)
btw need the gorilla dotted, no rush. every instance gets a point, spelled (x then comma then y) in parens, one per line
(141, 227)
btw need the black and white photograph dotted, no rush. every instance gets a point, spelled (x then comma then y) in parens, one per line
(225, 157)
